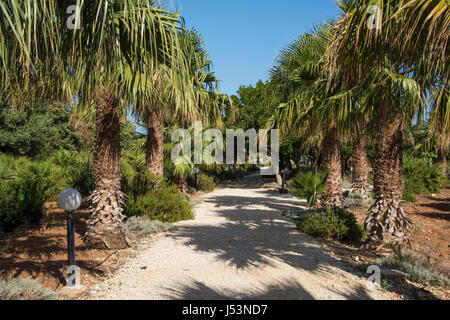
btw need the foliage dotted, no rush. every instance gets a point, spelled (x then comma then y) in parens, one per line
(335, 224)
(253, 105)
(154, 198)
(309, 183)
(36, 130)
(354, 199)
(205, 183)
(415, 272)
(24, 289)
(422, 176)
(22, 198)
(138, 227)
(76, 170)
(127, 134)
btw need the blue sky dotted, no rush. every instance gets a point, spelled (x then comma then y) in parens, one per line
(244, 37)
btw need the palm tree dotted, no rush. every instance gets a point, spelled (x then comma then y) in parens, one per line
(440, 122)
(314, 113)
(101, 65)
(410, 43)
(360, 175)
(179, 93)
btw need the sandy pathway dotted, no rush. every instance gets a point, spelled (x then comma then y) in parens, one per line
(239, 246)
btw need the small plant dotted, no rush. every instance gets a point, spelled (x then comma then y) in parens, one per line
(335, 224)
(309, 184)
(138, 227)
(385, 286)
(27, 289)
(415, 272)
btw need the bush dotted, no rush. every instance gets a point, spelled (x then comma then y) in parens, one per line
(205, 183)
(330, 223)
(76, 170)
(22, 198)
(354, 199)
(414, 270)
(27, 289)
(422, 176)
(310, 184)
(155, 198)
(138, 227)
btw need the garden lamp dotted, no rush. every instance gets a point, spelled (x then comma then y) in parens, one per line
(196, 171)
(283, 181)
(70, 200)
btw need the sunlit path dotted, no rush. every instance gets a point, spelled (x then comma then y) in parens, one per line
(239, 246)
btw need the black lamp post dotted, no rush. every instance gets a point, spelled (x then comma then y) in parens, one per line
(283, 181)
(70, 200)
(196, 171)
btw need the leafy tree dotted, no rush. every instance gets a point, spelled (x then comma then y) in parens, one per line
(405, 55)
(37, 130)
(253, 106)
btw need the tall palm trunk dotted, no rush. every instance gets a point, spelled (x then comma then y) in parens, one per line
(360, 183)
(443, 159)
(332, 162)
(105, 227)
(386, 220)
(155, 137)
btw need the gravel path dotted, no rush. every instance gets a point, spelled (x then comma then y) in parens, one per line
(238, 247)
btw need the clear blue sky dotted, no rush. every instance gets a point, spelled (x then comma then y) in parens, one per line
(244, 37)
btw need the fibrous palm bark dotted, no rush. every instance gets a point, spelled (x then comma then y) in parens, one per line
(332, 162)
(443, 160)
(105, 227)
(360, 183)
(155, 139)
(386, 220)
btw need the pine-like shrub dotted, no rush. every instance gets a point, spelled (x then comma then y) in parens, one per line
(331, 223)
(205, 183)
(76, 170)
(155, 198)
(22, 198)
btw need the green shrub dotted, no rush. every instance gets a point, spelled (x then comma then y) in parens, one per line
(422, 176)
(27, 289)
(330, 223)
(309, 183)
(76, 170)
(155, 198)
(22, 198)
(205, 183)
(138, 227)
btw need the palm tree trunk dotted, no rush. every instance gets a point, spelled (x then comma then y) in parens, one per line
(386, 220)
(105, 227)
(155, 137)
(332, 162)
(443, 159)
(360, 183)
